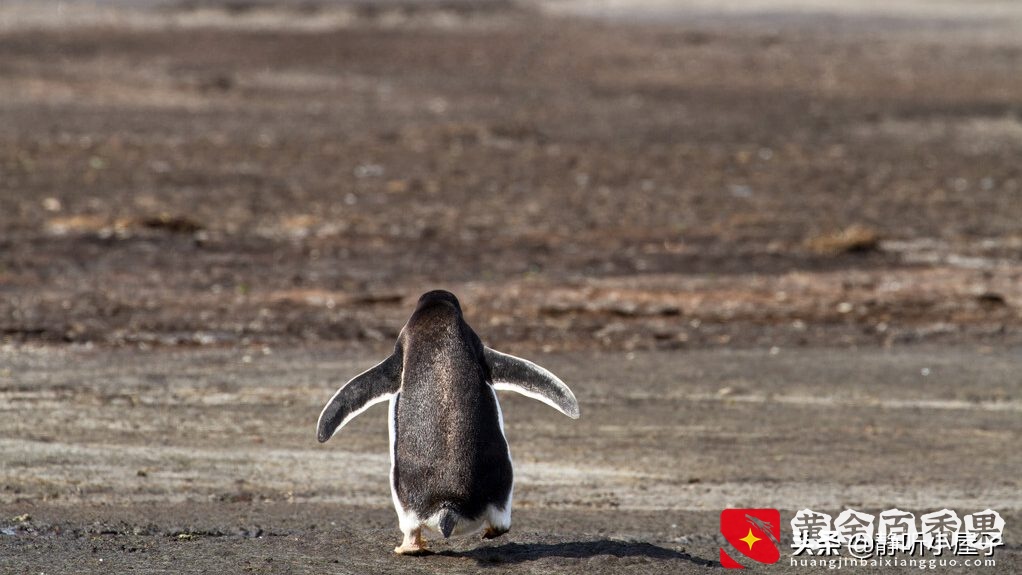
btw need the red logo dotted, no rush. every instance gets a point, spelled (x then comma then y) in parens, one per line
(755, 533)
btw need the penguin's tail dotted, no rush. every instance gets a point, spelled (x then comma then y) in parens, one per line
(447, 520)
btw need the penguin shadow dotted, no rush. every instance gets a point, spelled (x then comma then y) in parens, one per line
(511, 553)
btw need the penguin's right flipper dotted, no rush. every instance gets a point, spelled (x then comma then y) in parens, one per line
(522, 376)
(379, 383)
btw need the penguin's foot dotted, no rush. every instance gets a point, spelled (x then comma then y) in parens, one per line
(413, 545)
(493, 532)
(412, 550)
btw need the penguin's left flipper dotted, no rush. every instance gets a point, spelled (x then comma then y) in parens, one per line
(512, 373)
(379, 383)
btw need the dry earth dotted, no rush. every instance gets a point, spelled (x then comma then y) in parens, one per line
(201, 461)
(775, 250)
(209, 173)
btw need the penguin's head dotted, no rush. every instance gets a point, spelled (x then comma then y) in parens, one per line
(438, 312)
(438, 297)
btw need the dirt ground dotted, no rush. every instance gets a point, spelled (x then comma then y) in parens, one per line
(196, 176)
(777, 255)
(204, 461)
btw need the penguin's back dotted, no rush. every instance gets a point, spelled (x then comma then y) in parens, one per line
(449, 446)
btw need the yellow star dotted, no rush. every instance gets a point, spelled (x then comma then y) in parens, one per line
(750, 539)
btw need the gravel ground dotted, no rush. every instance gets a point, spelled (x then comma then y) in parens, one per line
(283, 174)
(775, 251)
(203, 460)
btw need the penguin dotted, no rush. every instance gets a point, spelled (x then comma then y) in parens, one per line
(450, 471)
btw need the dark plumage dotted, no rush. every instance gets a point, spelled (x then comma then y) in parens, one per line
(451, 468)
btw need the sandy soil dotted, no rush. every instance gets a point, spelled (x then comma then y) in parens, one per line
(580, 185)
(777, 256)
(200, 460)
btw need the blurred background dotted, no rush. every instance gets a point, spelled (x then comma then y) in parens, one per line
(608, 174)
